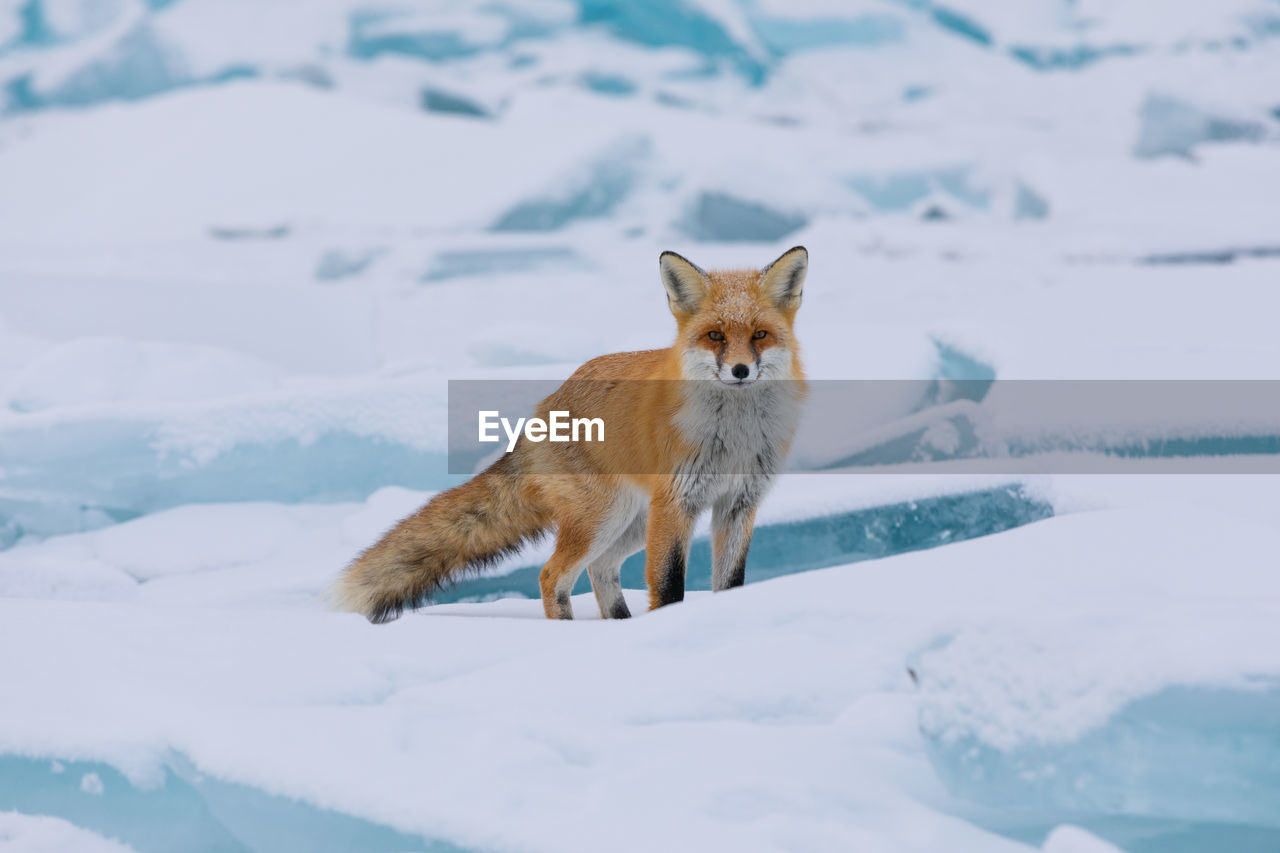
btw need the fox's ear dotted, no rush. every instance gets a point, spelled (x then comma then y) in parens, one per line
(686, 283)
(783, 280)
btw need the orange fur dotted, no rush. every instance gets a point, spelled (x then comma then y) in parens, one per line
(585, 490)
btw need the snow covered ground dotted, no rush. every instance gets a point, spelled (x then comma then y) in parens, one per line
(245, 245)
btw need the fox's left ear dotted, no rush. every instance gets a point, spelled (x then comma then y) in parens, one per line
(783, 280)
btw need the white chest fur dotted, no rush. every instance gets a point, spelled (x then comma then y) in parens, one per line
(740, 436)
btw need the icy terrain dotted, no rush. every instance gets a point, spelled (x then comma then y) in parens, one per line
(244, 245)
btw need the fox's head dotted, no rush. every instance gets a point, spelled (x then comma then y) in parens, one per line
(735, 326)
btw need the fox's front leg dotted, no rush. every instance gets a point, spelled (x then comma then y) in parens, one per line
(733, 518)
(666, 548)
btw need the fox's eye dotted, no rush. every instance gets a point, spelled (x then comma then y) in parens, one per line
(715, 336)
(760, 334)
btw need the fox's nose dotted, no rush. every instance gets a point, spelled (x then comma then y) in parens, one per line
(741, 371)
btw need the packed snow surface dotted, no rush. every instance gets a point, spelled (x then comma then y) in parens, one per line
(21, 833)
(821, 698)
(244, 247)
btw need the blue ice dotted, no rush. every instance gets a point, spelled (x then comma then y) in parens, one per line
(191, 812)
(607, 181)
(814, 543)
(718, 216)
(1191, 769)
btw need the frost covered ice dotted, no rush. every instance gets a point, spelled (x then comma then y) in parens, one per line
(21, 833)
(770, 695)
(1172, 745)
(244, 247)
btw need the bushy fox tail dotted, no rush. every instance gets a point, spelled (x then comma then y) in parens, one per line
(462, 530)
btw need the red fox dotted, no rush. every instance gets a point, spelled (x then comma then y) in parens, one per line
(714, 438)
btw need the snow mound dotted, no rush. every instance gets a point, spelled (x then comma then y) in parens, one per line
(91, 371)
(285, 700)
(186, 811)
(22, 833)
(1176, 737)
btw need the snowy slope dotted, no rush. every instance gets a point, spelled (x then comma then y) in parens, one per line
(782, 715)
(245, 245)
(25, 834)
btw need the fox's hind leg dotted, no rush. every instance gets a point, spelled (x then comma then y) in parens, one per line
(605, 571)
(561, 572)
(587, 532)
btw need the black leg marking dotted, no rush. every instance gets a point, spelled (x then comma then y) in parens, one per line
(619, 610)
(562, 603)
(739, 574)
(671, 584)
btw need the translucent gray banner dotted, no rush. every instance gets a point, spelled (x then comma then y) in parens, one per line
(878, 426)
